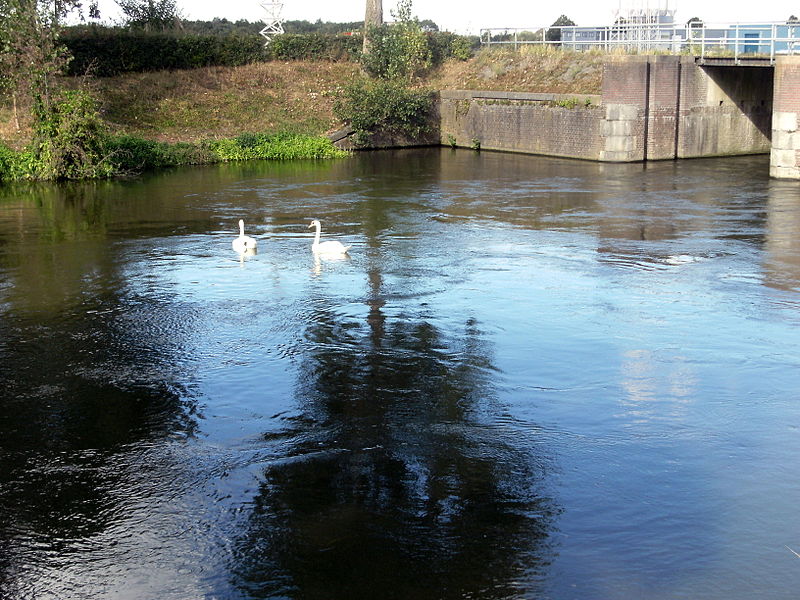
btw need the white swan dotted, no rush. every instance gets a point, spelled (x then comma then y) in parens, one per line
(244, 244)
(330, 247)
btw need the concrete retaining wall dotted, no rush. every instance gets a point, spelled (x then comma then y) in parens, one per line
(550, 124)
(651, 108)
(725, 110)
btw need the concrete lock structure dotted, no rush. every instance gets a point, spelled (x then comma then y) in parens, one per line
(655, 107)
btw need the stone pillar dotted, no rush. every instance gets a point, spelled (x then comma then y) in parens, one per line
(647, 99)
(663, 107)
(784, 162)
(625, 91)
(642, 96)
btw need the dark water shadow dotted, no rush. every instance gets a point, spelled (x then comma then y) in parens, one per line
(400, 475)
(89, 372)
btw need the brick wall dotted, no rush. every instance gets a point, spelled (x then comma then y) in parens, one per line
(663, 105)
(787, 84)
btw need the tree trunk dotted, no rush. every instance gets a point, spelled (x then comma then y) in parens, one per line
(16, 114)
(372, 18)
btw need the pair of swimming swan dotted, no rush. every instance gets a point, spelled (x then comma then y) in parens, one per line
(246, 245)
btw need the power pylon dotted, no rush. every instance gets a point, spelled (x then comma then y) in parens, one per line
(274, 21)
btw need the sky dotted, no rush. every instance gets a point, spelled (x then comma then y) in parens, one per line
(469, 16)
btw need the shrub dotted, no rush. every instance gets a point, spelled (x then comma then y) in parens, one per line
(131, 154)
(68, 139)
(399, 49)
(381, 106)
(109, 51)
(444, 45)
(314, 47)
(126, 155)
(8, 162)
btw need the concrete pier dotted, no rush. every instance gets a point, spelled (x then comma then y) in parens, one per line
(785, 154)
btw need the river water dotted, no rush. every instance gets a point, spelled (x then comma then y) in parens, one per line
(532, 378)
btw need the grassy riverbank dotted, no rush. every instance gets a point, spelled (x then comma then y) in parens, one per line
(294, 96)
(277, 109)
(212, 102)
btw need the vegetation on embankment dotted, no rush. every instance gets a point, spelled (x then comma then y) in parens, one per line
(153, 120)
(210, 102)
(296, 96)
(78, 145)
(147, 113)
(541, 69)
(213, 102)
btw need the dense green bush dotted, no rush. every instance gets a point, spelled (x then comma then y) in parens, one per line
(444, 45)
(127, 155)
(108, 51)
(132, 155)
(389, 107)
(68, 143)
(314, 46)
(402, 49)
(399, 49)
(68, 139)
(8, 163)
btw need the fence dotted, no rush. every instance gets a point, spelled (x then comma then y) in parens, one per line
(737, 40)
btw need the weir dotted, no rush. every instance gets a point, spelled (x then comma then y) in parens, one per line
(654, 107)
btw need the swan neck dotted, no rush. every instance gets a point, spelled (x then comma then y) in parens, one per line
(317, 234)
(241, 228)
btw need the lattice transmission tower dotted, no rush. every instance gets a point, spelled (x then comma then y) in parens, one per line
(273, 20)
(643, 23)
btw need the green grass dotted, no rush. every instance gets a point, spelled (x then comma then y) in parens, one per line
(130, 154)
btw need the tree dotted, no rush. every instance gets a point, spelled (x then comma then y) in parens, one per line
(30, 55)
(373, 19)
(150, 15)
(554, 35)
(399, 49)
(66, 127)
(428, 26)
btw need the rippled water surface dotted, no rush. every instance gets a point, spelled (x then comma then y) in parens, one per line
(532, 378)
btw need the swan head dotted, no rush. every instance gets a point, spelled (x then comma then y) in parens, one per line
(314, 223)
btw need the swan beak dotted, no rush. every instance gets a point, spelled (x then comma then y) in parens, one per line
(310, 226)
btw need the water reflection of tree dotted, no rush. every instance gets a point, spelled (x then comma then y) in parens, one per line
(88, 373)
(394, 483)
(80, 393)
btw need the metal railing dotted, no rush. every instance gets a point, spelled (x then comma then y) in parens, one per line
(731, 40)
